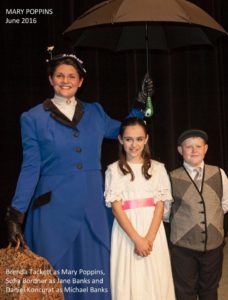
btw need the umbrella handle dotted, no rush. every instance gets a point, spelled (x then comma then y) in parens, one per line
(149, 110)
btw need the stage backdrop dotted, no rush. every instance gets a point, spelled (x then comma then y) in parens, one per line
(191, 85)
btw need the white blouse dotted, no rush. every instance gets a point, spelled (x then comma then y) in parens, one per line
(119, 187)
(66, 106)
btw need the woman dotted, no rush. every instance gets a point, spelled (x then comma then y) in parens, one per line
(60, 183)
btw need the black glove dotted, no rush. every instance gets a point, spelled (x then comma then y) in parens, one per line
(14, 220)
(147, 89)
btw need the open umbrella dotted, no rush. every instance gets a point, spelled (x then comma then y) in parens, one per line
(144, 24)
(139, 24)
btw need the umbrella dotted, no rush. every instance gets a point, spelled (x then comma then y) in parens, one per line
(144, 24)
(139, 24)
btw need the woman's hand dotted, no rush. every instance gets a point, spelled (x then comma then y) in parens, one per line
(14, 220)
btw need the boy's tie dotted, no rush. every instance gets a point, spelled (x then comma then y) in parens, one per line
(197, 178)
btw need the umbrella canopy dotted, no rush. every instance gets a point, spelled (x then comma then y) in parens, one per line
(139, 24)
(119, 11)
(171, 24)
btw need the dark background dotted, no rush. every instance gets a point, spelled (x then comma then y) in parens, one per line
(191, 86)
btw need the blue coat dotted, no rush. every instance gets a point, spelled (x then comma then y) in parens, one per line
(60, 182)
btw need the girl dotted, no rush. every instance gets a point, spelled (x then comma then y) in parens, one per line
(136, 189)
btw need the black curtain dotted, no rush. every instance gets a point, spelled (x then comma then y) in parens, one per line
(191, 85)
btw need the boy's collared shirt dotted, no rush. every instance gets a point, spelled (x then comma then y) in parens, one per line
(224, 201)
(191, 169)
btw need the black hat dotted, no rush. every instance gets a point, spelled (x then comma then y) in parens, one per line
(192, 133)
(61, 56)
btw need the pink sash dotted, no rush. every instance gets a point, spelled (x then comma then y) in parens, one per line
(128, 204)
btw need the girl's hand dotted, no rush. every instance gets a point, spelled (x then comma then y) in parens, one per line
(150, 241)
(142, 246)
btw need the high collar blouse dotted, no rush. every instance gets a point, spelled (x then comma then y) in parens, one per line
(65, 105)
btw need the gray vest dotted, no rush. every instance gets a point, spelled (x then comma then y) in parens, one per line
(197, 217)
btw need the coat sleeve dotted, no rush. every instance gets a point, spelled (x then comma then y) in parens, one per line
(30, 168)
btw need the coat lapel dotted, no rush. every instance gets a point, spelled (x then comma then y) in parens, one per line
(56, 114)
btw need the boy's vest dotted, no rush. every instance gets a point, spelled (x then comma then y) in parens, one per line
(197, 217)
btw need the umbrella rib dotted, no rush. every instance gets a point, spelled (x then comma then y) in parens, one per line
(187, 18)
(115, 15)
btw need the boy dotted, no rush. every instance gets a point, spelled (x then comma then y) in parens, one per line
(200, 194)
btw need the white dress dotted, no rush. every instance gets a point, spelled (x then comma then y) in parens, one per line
(134, 277)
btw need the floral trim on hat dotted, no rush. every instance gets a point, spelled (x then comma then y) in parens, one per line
(65, 55)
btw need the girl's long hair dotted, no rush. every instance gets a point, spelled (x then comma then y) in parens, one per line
(146, 155)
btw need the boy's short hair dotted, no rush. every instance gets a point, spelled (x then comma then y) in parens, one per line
(192, 133)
